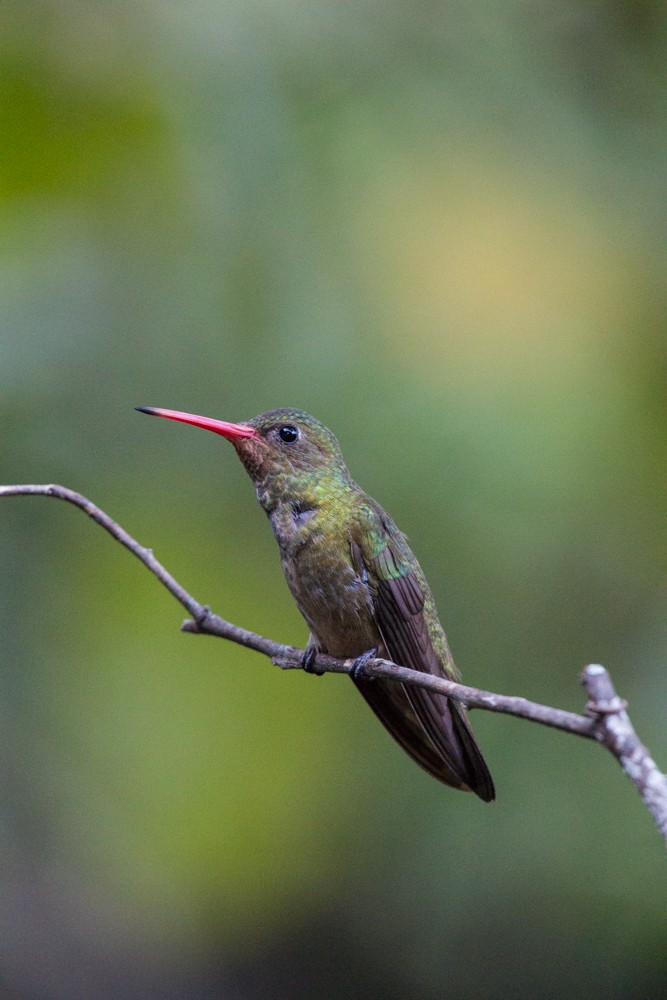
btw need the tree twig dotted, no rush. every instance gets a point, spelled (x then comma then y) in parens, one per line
(615, 731)
(606, 720)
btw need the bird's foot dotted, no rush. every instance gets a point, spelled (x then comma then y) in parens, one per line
(308, 662)
(358, 671)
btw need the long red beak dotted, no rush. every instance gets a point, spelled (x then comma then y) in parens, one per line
(230, 431)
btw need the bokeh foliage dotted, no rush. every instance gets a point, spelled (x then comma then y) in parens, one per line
(439, 227)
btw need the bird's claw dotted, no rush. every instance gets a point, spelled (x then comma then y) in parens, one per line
(308, 662)
(358, 670)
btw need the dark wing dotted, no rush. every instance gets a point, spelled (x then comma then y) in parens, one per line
(432, 728)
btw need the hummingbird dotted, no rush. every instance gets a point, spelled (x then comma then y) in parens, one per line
(357, 584)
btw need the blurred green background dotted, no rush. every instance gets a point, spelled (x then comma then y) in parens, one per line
(440, 228)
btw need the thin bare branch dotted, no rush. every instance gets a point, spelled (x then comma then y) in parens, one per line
(606, 721)
(290, 658)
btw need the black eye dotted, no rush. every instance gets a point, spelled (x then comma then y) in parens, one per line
(288, 433)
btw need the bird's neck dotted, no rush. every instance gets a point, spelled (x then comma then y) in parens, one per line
(300, 512)
(301, 493)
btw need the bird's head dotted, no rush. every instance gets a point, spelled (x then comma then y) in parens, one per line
(286, 452)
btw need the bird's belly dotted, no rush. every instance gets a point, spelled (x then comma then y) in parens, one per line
(335, 603)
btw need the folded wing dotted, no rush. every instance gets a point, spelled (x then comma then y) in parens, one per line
(431, 728)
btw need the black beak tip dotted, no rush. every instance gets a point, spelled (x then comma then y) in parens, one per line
(145, 409)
